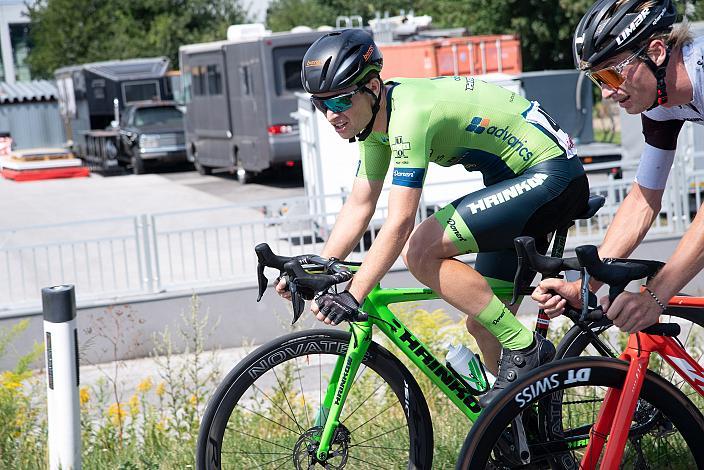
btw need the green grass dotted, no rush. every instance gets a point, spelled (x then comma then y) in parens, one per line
(157, 426)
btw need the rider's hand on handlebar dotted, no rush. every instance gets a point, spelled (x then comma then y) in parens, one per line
(632, 311)
(281, 287)
(553, 295)
(333, 308)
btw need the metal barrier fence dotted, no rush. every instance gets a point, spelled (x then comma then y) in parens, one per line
(113, 257)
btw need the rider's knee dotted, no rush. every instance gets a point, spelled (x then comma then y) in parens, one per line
(413, 255)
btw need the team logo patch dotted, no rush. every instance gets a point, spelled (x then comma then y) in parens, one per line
(409, 177)
(400, 146)
(478, 125)
(314, 63)
(368, 53)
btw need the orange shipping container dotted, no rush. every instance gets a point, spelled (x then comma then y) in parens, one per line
(470, 55)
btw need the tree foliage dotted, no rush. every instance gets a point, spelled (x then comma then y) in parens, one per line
(67, 32)
(545, 26)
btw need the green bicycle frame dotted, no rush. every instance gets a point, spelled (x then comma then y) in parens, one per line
(376, 306)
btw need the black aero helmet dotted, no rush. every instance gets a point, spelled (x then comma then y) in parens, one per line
(338, 60)
(613, 26)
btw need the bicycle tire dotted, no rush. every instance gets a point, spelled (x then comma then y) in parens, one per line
(548, 416)
(292, 349)
(477, 450)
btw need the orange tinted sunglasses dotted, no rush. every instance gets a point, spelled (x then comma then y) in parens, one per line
(612, 76)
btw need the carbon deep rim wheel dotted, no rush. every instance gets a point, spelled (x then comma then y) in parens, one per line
(265, 412)
(667, 428)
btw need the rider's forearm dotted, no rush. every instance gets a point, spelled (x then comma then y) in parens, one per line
(633, 219)
(351, 223)
(381, 256)
(685, 262)
(348, 229)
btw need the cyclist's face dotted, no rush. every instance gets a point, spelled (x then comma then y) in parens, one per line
(352, 120)
(636, 93)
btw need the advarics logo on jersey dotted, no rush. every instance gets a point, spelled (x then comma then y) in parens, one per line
(478, 125)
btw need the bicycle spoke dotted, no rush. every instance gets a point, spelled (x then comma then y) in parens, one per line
(382, 447)
(234, 452)
(283, 392)
(320, 382)
(305, 408)
(362, 402)
(377, 436)
(257, 438)
(277, 406)
(374, 417)
(266, 464)
(268, 419)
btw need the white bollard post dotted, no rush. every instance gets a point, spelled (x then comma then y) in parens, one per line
(63, 410)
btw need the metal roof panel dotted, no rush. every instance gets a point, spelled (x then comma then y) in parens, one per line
(119, 70)
(35, 90)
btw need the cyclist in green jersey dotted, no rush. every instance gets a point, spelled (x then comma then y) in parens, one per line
(533, 185)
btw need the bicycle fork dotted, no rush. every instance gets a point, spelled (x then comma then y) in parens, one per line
(339, 386)
(620, 405)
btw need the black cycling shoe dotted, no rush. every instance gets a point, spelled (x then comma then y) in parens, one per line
(515, 364)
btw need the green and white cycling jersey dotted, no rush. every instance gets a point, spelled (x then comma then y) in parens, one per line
(459, 121)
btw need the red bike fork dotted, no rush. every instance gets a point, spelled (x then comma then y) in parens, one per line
(618, 406)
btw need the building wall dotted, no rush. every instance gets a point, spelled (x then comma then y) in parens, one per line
(33, 124)
(11, 17)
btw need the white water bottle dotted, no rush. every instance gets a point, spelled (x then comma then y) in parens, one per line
(469, 367)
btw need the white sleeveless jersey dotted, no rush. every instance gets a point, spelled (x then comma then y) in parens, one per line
(662, 125)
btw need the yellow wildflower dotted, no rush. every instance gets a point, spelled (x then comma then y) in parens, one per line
(145, 385)
(134, 404)
(83, 395)
(193, 400)
(160, 389)
(117, 413)
(20, 420)
(10, 380)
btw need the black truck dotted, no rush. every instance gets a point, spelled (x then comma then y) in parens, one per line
(150, 132)
(121, 112)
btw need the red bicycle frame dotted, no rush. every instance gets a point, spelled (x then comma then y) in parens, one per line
(620, 406)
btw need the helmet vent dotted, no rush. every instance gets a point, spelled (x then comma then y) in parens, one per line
(324, 71)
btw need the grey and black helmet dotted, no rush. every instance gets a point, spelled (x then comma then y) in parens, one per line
(338, 60)
(613, 26)
(610, 27)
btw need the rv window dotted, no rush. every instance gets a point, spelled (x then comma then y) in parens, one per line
(187, 84)
(199, 81)
(287, 68)
(214, 80)
(292, 75)
(140, 91)
(246, 84)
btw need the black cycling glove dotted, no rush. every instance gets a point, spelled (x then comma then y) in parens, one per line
(338, 307)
